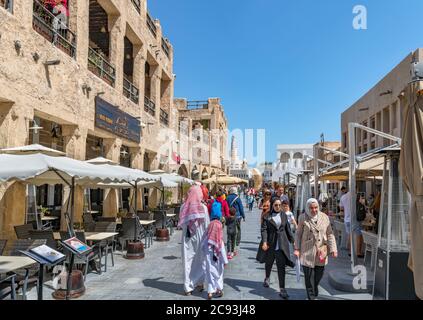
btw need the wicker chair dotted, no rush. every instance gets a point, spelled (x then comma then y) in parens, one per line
(27, 276)
(2, 246)
(22, 231)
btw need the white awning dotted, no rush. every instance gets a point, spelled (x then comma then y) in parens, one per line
(174, 177)
(32, 149)
(42, 169)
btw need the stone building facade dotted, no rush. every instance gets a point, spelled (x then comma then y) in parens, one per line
(203, 135)
(69, 75)
(380, 108)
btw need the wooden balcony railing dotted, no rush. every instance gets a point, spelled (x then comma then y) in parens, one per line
(101, 67)
(53, 29)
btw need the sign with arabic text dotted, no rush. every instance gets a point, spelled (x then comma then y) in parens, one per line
(108, 117)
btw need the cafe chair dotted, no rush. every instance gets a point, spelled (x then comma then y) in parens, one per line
(22, 231)
(27, 276)
(44, 234)
(2, 246)
(104, 244)
(8, 287)
(128, 230)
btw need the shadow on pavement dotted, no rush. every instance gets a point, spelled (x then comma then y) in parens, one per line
(170, 287)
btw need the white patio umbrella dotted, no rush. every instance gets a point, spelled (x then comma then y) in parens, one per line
(31, 149)
(39, 169)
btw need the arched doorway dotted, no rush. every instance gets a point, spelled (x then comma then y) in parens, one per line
(182, 171)
(204, 174)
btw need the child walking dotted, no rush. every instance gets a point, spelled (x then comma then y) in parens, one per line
(215, 252)
(231, 232)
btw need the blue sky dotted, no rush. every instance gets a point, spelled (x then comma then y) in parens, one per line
(290, 67)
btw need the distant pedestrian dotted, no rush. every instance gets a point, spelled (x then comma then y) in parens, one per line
(250, 202)
(231, 232)
(235, 202)
(223, 202)
(289, 215)
(265, 210)
(193, 220)
(267, 196)
(313, 242)
(276, 236)
(215, 252)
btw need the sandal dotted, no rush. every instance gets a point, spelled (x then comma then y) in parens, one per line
(188, 293)
(219, 294)
(210, 296)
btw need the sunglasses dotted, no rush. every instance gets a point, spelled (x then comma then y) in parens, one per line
(267, 194)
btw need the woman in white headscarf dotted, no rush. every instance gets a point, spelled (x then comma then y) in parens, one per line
(314, 241)
(194, 220)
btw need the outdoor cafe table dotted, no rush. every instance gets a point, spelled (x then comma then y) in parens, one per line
(48, 221)
(148, 225)
(100, 236)
(12, 263)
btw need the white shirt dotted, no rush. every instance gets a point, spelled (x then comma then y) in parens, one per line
(345, 203)
(278, 221)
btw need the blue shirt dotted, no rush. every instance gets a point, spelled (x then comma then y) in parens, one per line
(237, 204)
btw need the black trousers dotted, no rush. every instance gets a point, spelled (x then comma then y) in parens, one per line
(238, 232)
(280, 258)
(312, 278)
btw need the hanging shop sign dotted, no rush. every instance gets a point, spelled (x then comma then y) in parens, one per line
(108, 117)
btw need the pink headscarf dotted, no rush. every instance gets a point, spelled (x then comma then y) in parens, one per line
(215, 235)
(193, 210)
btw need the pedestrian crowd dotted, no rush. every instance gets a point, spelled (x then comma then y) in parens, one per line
(304, 244)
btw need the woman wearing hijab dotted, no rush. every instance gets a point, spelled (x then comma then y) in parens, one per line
(314, 241)
(276, 236)
(194, 220)
(215, 252)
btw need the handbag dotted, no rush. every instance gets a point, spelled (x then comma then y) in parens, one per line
(261, 254)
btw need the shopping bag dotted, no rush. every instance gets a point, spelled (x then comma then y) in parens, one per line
(298, 269)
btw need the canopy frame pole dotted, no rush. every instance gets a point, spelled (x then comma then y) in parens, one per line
(316, 171)
(352, 186)
(69, 217)
(353, 161)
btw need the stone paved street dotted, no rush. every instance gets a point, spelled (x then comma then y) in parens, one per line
(159, 275)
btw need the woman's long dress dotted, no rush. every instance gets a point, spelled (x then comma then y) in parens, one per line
(193, 257)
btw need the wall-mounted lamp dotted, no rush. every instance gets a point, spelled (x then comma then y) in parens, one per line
(52, 62)
(18, 45)
(36, 56)
(103, 29)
